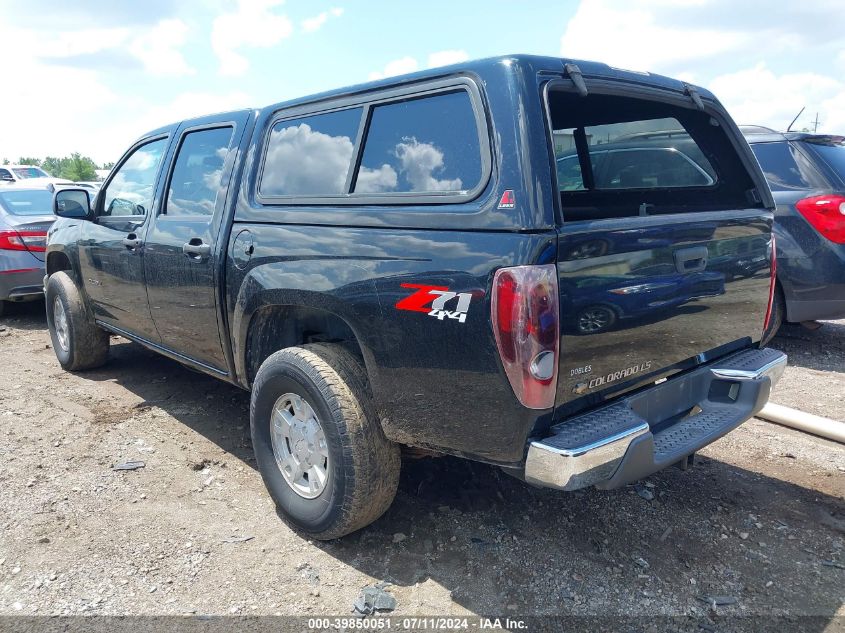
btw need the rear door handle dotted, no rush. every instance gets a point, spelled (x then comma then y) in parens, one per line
(132, 242)
(691, 260)
(196, 248)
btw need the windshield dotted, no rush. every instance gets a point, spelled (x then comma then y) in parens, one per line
(831, 153)
(30, 172)
(25, 202)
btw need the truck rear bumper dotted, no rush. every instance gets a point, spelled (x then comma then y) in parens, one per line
(657, 427)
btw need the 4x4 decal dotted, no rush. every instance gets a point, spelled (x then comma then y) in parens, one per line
(433, 299)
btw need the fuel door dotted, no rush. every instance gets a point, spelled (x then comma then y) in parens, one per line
(242, 249)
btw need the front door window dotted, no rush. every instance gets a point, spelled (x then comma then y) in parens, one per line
(132, 190)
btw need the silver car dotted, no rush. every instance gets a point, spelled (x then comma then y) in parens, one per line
(25, 216)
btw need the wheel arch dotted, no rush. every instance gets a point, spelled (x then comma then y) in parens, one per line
(58, 260)
(273, 327)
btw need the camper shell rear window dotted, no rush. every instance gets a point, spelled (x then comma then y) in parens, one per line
(622, 156)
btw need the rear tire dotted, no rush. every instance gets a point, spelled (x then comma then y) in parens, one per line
(361, 466)
(777, 317)
(78, 342)
(3, 307)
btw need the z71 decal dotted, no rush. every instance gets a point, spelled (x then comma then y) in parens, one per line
(433, 299)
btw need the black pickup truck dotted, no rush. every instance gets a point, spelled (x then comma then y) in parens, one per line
(526, 261)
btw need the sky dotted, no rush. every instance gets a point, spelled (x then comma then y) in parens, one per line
(91, 76)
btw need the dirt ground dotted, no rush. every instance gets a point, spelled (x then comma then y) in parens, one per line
(758, 524)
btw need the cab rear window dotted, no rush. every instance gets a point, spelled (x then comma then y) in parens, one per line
(623, 156)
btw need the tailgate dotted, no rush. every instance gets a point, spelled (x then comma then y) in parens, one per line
(638, 303)
(664, 242)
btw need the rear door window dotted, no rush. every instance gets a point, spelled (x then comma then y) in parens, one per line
(423, 145)
(197, 173)
(786, 167)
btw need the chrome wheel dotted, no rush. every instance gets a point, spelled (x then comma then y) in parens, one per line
(60, 324)
(299, 446)
(594, 320)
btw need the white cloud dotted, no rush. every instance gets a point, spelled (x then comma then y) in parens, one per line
(445, 58)
(158, 49)
(757, 95)
(729, 46)
(400, 66)
(369, 180)
(419, 161)
(82, 42)
(406, 65)
(300, 161)
(35, 93)
(309, 25)
(187, 105)
(629, 34)
(672, 36)
(253, 25)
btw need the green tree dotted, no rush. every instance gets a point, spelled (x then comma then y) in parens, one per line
(52, 166)
(108, 165)
(77, 167)
(29, 161)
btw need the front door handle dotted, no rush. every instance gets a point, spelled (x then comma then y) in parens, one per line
(196, 248)
(132, 242)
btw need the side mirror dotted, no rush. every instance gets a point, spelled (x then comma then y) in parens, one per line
(7, 178)
(72, 203)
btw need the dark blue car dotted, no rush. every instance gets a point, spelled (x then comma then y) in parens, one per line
(593, 304)
(806, 173)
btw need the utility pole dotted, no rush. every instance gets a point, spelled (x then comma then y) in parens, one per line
(816, 124)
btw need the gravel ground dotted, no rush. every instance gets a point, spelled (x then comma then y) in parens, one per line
(759, 523)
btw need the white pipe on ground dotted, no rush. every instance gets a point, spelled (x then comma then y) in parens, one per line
(815, 424)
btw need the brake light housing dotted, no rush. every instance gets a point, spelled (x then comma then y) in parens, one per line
(826, 214)
(34, 241)
(525, 315)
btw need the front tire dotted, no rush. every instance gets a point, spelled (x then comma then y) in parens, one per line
(318, 442)
(78, 342)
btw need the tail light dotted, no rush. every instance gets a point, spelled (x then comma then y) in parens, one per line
(35, 241)
(826, 214)
(772, 283)
(527, 330)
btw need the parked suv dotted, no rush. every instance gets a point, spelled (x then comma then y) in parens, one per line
(807, 175)
(394, 264)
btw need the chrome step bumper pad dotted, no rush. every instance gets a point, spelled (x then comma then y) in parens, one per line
(615, 445)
